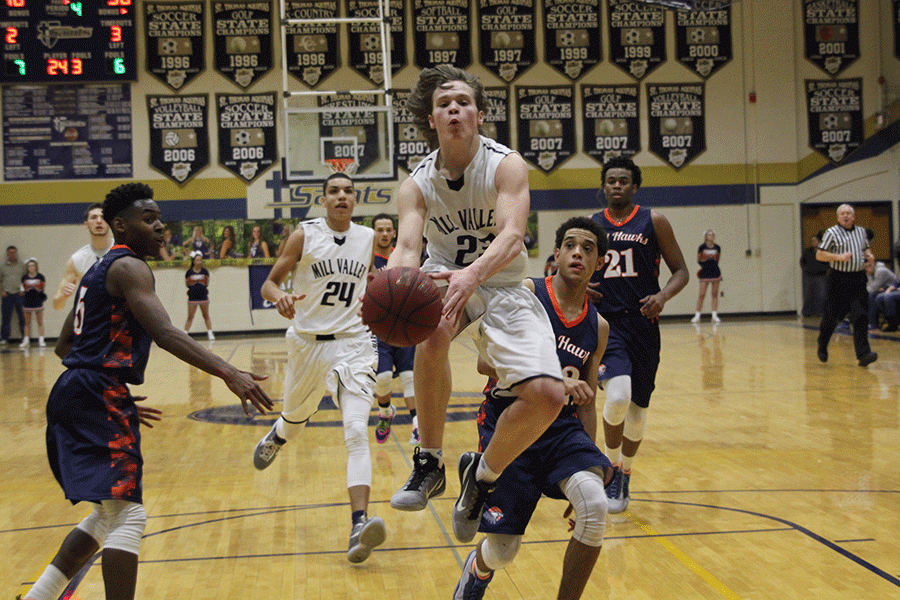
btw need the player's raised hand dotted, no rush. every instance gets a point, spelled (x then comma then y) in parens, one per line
(285, 305)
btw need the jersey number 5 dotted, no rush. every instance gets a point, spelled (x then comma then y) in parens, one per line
(620, 264)
(79, 311)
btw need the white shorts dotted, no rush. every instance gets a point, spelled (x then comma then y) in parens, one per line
(515, 334)
(315, 367)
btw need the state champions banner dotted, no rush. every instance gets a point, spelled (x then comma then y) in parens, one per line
(835, 115)
(242, 40)
(546, 121)
(247, 137)
(831, 33)
(676, 127)
(179, 135)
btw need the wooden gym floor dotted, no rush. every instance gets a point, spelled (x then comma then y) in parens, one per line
(763, 474)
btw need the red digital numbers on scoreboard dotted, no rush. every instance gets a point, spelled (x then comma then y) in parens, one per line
(115, 33)
(57, 66)
(15, 3)
(12, 35)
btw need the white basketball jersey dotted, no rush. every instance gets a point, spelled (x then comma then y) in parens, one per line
(85, 257)
(460, 215)
(332, 272)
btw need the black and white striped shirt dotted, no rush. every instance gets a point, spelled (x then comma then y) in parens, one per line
(839, 240)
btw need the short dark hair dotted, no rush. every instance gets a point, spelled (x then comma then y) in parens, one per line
(123, 197)
(622, 162)
(420, 101)
(588, 224)
(335, 176)
(93, 206)
(8, 248)
(381, 216)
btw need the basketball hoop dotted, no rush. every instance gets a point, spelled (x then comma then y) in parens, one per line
(342, 165)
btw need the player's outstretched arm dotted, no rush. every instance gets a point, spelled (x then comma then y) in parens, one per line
(130, 278)
(674, 259)
(411, 211)
(66, 286)
(271, 290)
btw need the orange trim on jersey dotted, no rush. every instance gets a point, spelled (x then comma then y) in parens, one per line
(558, 310)
(382, 255)
(117, 246)
(617, 222)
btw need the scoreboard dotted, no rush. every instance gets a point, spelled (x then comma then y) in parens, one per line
(50, 41)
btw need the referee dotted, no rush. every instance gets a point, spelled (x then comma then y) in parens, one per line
(845, 247)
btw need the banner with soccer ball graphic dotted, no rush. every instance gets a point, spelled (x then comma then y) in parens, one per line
(637, 36)
(834, 110)
(676, 127)
(247, 136)
(242, 40)
(365, 39)
(174, 41)
(703, 36)
(442, 33)
(546, 124)
(572, 43)
(410, 144)
(179, 135)
(831, 33)
(312, 49)
(611, 121)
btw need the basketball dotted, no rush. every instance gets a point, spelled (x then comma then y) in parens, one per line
(402, 306)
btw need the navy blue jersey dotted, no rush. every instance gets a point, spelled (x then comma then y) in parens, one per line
(198, 285)
(631, 271)
(708, 259)
(107, 336)
(380, 262)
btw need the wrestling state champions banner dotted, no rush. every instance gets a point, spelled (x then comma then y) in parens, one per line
(507, 36)
(179, 135)
(611, 121)
(831, 33)
(703, 36)
(350, 134)
(546, 122)
(174, 41)
(441, 33)
(572, 42)
(677, 125)
(242, 39)
(247, 137)
(834, 109)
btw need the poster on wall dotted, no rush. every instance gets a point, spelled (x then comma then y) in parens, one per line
(703, 36)
(174, 41)
(496, 116)
(834, 110)
(179, 135)
(677, 123)
(831, 33)
(441, 33)
(347, 134)
(546, 121)
(312, 49)
(572, 42)
(248, 142)
(637, 36)
(507, 36)
(242, 40)
(611, 121)
(88, 135)
(365, 39)
(410, 144)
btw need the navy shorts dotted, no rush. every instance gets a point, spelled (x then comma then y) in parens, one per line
(563, 450)
(633, 349)
(93, 440)
(393, 356)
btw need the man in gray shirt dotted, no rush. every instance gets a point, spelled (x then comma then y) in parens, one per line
(880, 279)
(11, 273)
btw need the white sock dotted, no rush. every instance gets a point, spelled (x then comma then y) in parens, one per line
(384, 411)
(484, 473)
(437, 452)
(416, 422)
(49, 586)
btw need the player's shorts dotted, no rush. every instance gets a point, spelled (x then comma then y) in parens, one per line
(633, 349)
(515, 335)
(392, 358)
(318, 365)
(93, 438)
(563, 450)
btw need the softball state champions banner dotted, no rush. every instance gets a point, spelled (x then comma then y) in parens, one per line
(677, 124)
(441, 33)
(179, 135)
(834, 109)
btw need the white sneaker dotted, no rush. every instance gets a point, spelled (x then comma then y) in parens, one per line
(696, 318)
(41, 343)
(716, 319)
(209, 334)
(25, 342)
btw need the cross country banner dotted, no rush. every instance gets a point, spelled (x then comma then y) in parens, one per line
(546, 124)
(703, 36)
(441, 33)
(410, 145)
(676, 126)
(506, 34)
(637, 36)
(312, 49)
(365, 39)
(350, 134)
(611, 121)
(834, 109)
(248, 143)
(174, 41)
(179, 135)
(831, 33)
(572, 43)
(242, 40)
(496, 115)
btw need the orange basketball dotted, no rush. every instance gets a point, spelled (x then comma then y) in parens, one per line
(402, 306)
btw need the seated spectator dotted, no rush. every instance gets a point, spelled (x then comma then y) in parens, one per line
(887, 302)
(880, 279)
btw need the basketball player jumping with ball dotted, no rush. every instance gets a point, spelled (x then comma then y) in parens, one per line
(470, 198)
